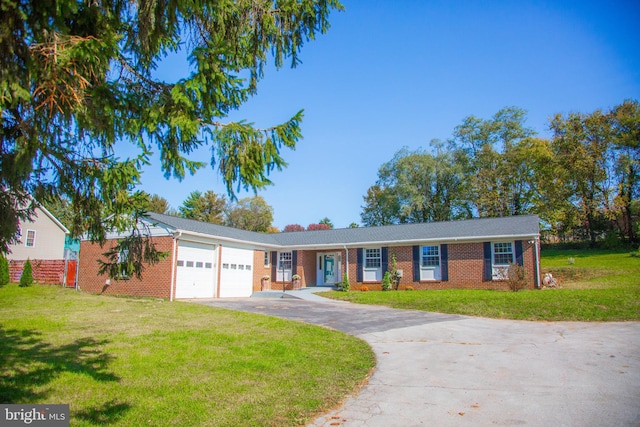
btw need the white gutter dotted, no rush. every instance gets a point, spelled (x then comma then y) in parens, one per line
(401, 242)
(209, 237)
(229, 239)
(174, 255)
(346, 251)
(537, 258)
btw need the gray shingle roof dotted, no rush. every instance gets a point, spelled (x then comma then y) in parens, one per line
(515, 227)
(190, 225)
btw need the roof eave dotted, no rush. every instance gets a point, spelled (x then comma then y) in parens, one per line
(415, 241)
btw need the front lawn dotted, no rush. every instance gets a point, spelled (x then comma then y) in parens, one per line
(596, 286)
(134, 362)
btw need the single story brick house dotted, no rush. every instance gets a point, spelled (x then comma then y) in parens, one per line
(212, 261)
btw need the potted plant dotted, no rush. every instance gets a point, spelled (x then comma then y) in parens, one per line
(296, 281)
(265, 282)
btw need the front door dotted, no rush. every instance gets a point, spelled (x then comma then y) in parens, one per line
(329, 269)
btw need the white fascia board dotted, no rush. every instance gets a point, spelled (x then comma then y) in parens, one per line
(475, 239)
(157, 229)
(211, 237)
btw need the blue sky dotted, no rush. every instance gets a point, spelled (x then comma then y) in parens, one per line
(400, 73)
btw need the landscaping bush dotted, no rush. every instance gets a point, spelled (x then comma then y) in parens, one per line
(516, 277)
(386, 281)
(345, 285)
(395, 278)
(364, 288)
(4, 271)
(26, 278)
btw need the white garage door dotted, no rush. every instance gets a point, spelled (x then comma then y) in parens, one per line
(236, 273)
(195, 271)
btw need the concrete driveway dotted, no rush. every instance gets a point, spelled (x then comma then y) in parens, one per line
(445, 370)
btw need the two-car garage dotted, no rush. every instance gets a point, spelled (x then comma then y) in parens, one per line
(207, 270)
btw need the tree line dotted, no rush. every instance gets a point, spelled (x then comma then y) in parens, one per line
(582, 181)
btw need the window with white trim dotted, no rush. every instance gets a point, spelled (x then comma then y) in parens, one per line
(372, 258)
(430, 256)
(267, 258)
(123, 257)
(430, 262)
(285, 265)
(372, 264)
(31, 239)
(502, 253)
(285, 260)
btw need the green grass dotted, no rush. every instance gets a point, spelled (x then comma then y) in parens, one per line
(598, 286)
(134, 362)
(592, 269)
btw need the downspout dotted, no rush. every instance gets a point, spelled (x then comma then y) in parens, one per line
(176, 237)
(346, 261)
(536, 242)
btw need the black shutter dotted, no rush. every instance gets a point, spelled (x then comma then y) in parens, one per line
(359, 265)
(274, 265)
(486, 272)
(444, 263)
(294, 262)
(385, 260)
(416, 263)
(519, 258)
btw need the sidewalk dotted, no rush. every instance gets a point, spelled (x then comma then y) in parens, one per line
(307, 294)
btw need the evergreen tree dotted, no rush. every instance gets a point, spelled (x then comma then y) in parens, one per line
(26, 278)
(207, 207)
(4, 270)
(78, 81)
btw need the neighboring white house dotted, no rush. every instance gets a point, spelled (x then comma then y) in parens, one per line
(42, 238)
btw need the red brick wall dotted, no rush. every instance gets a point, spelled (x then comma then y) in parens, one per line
(259, 270)
(466, 266)
(46, 271)
(465, 263)
(306, 267)
(353, 267)
(155, 282)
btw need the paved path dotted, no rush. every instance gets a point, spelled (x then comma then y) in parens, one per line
(446, 370)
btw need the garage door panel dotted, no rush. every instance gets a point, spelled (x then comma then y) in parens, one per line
(236, 273)
(195, 270)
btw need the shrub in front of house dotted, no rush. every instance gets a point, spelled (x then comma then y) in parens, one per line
(344, 286)
(26, 278)
(516, 277)
(364, 288)
(4, 271)
(386, 281)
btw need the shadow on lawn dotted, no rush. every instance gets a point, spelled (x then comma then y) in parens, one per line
(107, 413)
(28, 363)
